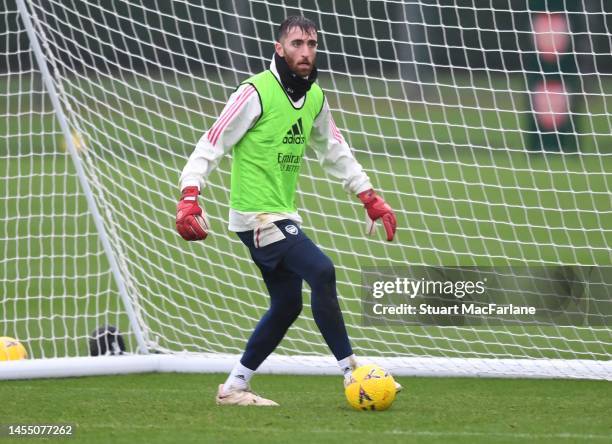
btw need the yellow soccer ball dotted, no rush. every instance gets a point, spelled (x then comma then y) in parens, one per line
(11, 349)
(370, 388)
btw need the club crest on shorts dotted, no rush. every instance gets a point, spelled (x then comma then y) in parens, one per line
(291, 229)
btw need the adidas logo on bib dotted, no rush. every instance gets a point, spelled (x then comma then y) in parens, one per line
(295, 134)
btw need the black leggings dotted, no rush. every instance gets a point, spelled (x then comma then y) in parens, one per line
(284, 265)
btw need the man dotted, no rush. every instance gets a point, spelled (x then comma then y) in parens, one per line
(268, 121)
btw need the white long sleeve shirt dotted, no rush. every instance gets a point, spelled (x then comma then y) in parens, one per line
(239, 115)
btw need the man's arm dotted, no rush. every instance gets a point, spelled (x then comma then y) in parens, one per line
(337, 159)
(239, 115)
(335, 155)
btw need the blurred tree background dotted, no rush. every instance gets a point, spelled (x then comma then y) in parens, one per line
(356, 36)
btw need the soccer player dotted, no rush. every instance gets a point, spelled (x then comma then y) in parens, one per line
(268, 121)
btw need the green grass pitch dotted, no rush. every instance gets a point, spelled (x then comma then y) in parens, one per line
(161, 408)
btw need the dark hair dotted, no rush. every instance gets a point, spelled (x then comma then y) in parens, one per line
(293, 21)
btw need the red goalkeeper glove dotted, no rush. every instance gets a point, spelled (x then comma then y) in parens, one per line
(377, 208)
(190, 222)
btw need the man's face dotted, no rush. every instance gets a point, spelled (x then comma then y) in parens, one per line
(299, 50)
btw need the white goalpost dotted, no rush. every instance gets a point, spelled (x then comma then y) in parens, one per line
(487, 128)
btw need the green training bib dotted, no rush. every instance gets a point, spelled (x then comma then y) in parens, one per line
(267, 160)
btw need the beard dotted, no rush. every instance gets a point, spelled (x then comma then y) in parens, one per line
(295, 85)
(303, 69)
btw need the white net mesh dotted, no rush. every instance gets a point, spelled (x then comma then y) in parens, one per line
(433, 97)
(56, 284)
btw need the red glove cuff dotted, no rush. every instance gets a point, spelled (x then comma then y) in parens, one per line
(190, 192)
(367, 196)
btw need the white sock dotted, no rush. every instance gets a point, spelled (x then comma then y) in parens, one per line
(347, 365)
(238, 378)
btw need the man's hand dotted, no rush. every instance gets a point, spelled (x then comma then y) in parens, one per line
(377, 208)
(190, 222)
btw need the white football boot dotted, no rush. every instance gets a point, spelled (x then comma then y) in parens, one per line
(241, 397)
(398, 386)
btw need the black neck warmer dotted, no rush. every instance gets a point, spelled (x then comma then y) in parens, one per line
(295, 86)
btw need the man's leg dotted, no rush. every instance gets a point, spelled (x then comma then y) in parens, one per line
(308, 261)
(285, 290)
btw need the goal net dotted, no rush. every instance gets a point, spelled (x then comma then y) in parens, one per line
(485, 125)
